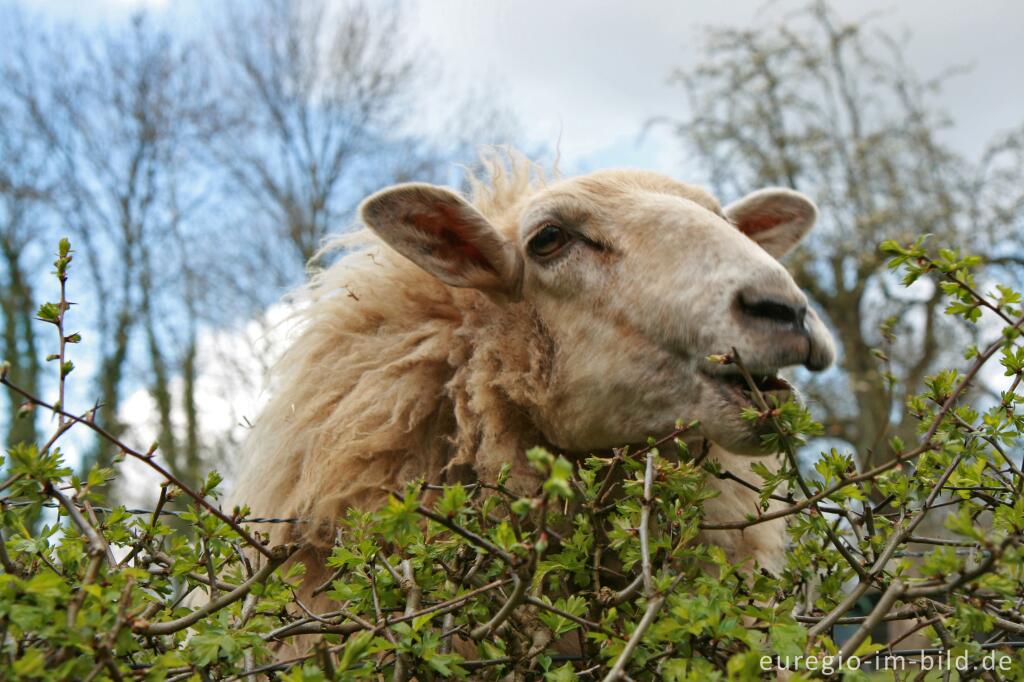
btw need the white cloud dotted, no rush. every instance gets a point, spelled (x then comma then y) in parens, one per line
(587, 76)
(590, 74)
(232, 365)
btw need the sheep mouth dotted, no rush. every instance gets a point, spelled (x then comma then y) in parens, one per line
(739, 389)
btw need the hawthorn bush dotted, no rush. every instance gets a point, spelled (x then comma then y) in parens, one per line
(598, 576)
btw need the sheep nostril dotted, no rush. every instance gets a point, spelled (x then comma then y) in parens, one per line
(774, 311)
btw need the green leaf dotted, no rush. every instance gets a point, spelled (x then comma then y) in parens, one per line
(355, 648)
(48, 312)
(506, 471)
(788, 639)
(31, 664)
(504, 536)
(453, 499)
(46, 585)
(563, 673)
(558, 482)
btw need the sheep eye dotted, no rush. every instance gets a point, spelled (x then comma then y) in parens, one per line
(548, 241)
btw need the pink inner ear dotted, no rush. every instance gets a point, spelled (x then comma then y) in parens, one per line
(753, 226)
(759, 222)
(445, 238)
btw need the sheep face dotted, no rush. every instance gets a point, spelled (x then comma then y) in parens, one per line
(637, 279)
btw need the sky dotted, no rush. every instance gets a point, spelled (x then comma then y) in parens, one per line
(585, 75)
(590, 73)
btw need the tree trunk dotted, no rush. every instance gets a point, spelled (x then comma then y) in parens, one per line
(19, 345)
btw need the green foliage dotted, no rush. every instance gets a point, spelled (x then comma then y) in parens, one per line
(609, 559)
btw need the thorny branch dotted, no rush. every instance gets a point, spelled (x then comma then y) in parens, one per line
(654, 600)
(520, 577)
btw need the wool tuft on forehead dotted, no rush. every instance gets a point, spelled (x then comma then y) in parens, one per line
(506, 180)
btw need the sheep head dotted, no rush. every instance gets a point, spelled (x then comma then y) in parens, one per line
(638, 279)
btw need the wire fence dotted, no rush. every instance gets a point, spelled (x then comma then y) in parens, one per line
(150, 512)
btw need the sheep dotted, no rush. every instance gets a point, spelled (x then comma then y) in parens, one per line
(576, 314)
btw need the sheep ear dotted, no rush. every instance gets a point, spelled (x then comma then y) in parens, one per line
(775, 218)
(442, 233)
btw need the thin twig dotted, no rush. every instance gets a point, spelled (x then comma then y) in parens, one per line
(278, 556)
(889, 597)
(515, 599)
(898, 460)
(413, 593)
(147, 460)
(477, 540)
(654, 601)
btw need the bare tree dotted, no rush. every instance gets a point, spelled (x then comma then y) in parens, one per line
(327, 103)
(24, 188)
(117, 117)
(199, 175)
(317, 103)
(322, 103)
(832, 108)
